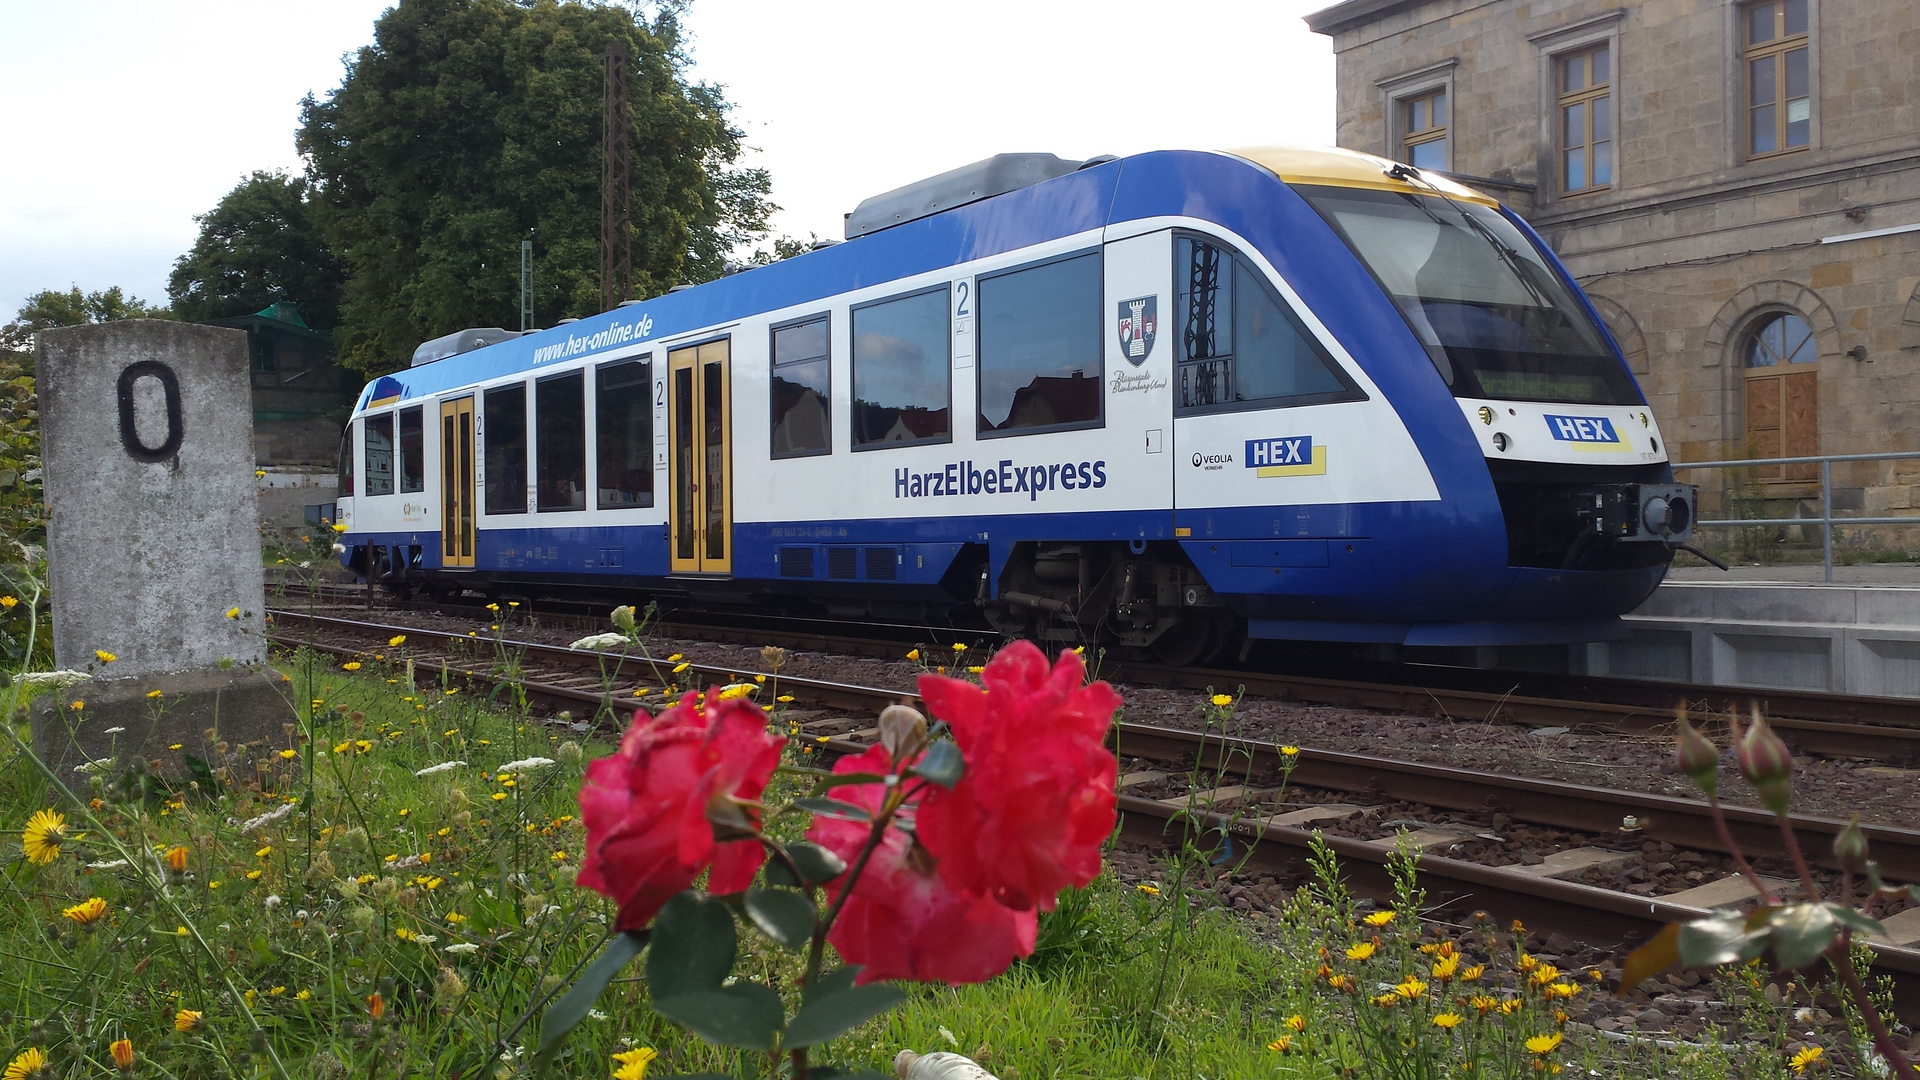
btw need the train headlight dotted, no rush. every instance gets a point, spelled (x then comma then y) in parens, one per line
(1666, 515)
(1486, 415)
(1501, 442)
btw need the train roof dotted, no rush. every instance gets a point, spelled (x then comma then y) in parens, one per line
(1040, 203)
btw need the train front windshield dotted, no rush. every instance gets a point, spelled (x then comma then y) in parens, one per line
(1495, 318)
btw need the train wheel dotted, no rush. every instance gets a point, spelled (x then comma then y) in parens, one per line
(1188, 641)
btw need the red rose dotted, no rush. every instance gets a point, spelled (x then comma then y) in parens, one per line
(645, 806)
(1037, 800)
(903, 921)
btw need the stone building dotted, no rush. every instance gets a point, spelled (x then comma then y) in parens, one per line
(1735, 182)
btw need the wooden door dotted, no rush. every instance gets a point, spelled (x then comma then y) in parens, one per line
(1783, 420)
(700, 517)
(456, 483)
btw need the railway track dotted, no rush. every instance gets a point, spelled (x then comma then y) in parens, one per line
(561, 679)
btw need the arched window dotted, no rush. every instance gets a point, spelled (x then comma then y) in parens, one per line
(1782, 394)
(1781, 339)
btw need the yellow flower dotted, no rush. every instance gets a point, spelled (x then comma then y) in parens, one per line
(784, 699)
(1289, 751)
(1544, 1044)
(1360, 951)
(1338, 982)
(233, 613)
(27, 1065)
(1562, 989)
(975, 669)
(8, 602)
(46, 830)
(1447, 1021)
(1509, 1006)
(351, 665)
(1526, 963)
(263, 852)
(1473, 973)
(77, 706)
(1281, 1045)
(682, 666)
(376, 1005)
(289, 755)
(1596, 974)
(1223, 699)
(1410, 988)
(675, 658)
(253, 875)
(276, 991)
(1380, 918)
(177, 860)
(339, 526)
(122, 1053)
(86, 911)
(913, 654)
(1446, 966)
(1296, 1022)
(1806, 1056)
(1543, 974)
(365, 746)
(185, 1019)
(1482, 1003)
(152, 694)
(498, 795)
(632, 1064)
(1149, 890)
(104, 656)
(304, 995)
(396, 641)
(959, 646)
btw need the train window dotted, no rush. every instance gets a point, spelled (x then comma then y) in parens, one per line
(504, 416)
(379, 466)
(346, 461)
(413, 459)
(902, 374)
(560, 441)
(623, 420)
(1239, 346)
(1040, 347)
(802, 404)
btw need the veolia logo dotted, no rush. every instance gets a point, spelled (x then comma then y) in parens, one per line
(1211, 461)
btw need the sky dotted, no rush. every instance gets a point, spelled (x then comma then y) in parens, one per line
(125, 118)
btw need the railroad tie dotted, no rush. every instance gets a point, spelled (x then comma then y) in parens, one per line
(1214, 796)
(1729, 890)
(1145, 776)
(1430, 838)
(1312, 815)
(1902, 928)
(1572, 861)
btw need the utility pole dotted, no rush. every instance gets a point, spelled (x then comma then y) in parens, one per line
(526, 285)
(616, 241)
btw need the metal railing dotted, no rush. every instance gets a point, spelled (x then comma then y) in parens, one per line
(1826, 520)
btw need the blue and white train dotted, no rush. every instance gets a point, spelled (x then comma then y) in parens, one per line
(1294, 394)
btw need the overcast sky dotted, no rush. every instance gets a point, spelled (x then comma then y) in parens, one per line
(124, 118)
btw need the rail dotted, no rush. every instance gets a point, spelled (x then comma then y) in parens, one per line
(1826, 520)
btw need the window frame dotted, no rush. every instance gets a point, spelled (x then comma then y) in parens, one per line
(485, 443)
(853, 366)
(368, 421)
(1592, 94)
(1745, 53)
(1398, 91)
(1099, 339)
(1553, 46)
(400, 456)
(655, 388)
(1352, 391)
(773, 365)
(535, 452)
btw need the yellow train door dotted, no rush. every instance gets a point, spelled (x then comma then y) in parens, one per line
(700, 518)
(456, 483)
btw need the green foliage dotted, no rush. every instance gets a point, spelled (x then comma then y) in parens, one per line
(259, 245)
(470, 125)
(50, 308)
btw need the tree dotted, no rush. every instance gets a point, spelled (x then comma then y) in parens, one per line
(258, 246)
(49, 308)
(471, 125)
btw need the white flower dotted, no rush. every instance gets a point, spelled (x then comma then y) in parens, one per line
(445, 766)
(276, 814)
(463, 948)
(272, 901)
(525, 764)
(599, 642)
(424, 939)
(114, 864)
(596, 1014)
(49, 680)
(113, 731)
(339, 549)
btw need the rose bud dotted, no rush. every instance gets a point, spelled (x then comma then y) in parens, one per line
(903, 731)
(1766, 763)
(1850, 847)
(1696, 756)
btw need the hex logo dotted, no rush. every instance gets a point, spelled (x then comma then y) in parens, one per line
(1594, 431)
(1289, 455)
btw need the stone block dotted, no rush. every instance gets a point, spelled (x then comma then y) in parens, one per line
(243, 708)
(1728, 891)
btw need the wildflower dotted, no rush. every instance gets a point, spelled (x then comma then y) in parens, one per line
(1544, 1044)
(233, 613)
(185, 1019)
(632, 1064)
(1447, 1021)
(276, 991)
(1445, 967)
(351, 665)
(523, 765)
(784, 698)
(365, 746)
(1296, 1022)
(1223, 700)
(975, 669)
(675, 658)
(599, 642)
(1149, 890)
(1526, 962)
(122, 1053)
(1482, 1003)
(1543, 974)
(403, 934)
(1562, 989)
(104, 656)
(1281, 1045)
(1380, 918)
(86, 911)
(912, 654)
(396, 641)
(736, 690)
(1804, 1057)
(304, 995)
(276, 814)
(27, 1066)
(1361, 951)
(156, 695)
(495, 608)
(253, 875)
(77, 706)
(1509, 1006)
(1289, 751)
(959, 647)
(1473, 973)
(40, 841)
(8, 602)
(463, 948)
(1410, 988)
(1339, 982)
(177, 859)
(1596, 974)
(682, 666)
(376, 1005)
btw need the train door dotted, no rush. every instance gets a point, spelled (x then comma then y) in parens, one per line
(456, 483)
(701, 517)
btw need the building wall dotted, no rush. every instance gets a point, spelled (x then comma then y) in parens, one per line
(1693, 244)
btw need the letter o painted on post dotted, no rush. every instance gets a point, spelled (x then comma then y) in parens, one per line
(129, 432)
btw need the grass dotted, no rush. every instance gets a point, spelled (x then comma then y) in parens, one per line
(390, 924)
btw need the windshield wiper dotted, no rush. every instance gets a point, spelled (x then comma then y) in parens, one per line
(1520, 268)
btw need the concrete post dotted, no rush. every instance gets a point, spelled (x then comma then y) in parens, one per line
(147, 433)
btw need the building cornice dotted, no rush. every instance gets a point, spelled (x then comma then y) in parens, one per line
(1340, 17)
(1686, 193)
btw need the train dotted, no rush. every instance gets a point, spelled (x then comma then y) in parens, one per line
(1289, 394)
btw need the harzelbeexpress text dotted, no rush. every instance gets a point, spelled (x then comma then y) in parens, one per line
(964, 478)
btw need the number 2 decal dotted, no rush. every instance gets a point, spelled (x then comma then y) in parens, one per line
(961, 312)
(660, 393)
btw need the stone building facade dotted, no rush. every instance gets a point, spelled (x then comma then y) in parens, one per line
(1736, 183)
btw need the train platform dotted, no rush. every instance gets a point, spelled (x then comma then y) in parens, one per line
(1775, 627)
